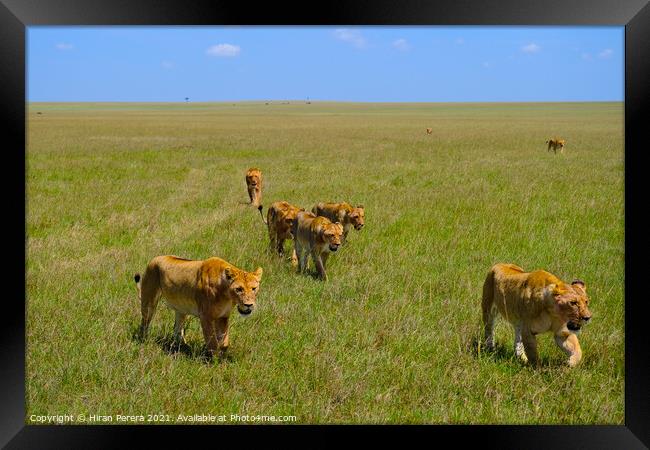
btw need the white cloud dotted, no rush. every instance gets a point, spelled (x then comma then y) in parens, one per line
(608, 52)
(223, 50)
(353, 37)
(401, 45)
(531, 48)
(167, 65)
(64, 46)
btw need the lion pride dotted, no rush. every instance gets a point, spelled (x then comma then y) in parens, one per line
(534, 303)
(254, 185)
(208, 289)
(316, 236)
(556, 143)
(279, 220)
(349, 216)
(429, 130)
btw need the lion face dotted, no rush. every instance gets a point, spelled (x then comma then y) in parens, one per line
(332, 234)
(357, 217)
(253, 177)
(572, 304)
(243, 288)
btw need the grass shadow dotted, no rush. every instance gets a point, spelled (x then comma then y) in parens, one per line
(504, 353)
(195, 351)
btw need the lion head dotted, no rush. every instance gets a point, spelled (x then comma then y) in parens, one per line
(253, 177)
(243, 287)
(289, 217)
(357, 217)
(572, 304)
(332, 234)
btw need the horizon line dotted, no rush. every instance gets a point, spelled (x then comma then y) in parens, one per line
(325, 101)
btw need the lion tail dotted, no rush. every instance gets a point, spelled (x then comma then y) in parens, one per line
(138, 284)
(259, 208)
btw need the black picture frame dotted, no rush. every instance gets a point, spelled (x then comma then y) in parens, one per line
(16, 15)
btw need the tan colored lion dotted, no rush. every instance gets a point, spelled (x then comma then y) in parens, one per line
(316, 236)
(534, 303)
(254, 186)
(279, 220)
(556, 143)
(349, 216)
(208, 289)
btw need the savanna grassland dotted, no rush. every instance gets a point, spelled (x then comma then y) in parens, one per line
(391, 337)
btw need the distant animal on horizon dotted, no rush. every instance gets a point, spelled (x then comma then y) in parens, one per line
(535, 302)
(254, 185)
(349, 216)
(208, 289)
(316, 236)
(556, 143)
(429, 130)
(279, 220)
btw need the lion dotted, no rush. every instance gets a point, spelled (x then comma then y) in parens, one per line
(344, 213)
(279, 220)
(315, 235)
(429, 130)
(207, 289)
(534, 303)
(254, 185)
(556, 143)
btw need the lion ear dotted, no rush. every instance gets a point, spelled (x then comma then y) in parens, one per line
(258, 273)
(228, 274)
(360, 206)
(580, 284)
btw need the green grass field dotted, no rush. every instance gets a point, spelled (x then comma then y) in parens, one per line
(390, 338)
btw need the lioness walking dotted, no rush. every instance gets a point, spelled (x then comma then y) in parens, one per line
(556, 143)
(534, 303)
(207, 289)
(254, 186)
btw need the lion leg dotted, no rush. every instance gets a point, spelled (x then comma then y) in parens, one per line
(209, 334)
(222, 334)
(571, 347)
(324, 257)
(320, 267)
(489, 320)
(250, 194)
(530, 346)
(179, 330)
(258, 196)
(149, 297)
(273, 239)
(301, 255)
(345, 235)
(519, 345)
(280, 247)
(489, 311)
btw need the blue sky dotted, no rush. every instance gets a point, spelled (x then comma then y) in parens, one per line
(410, 64)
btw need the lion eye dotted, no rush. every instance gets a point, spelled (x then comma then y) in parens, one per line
(574, 302)
(239, 289)
(253, 288)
